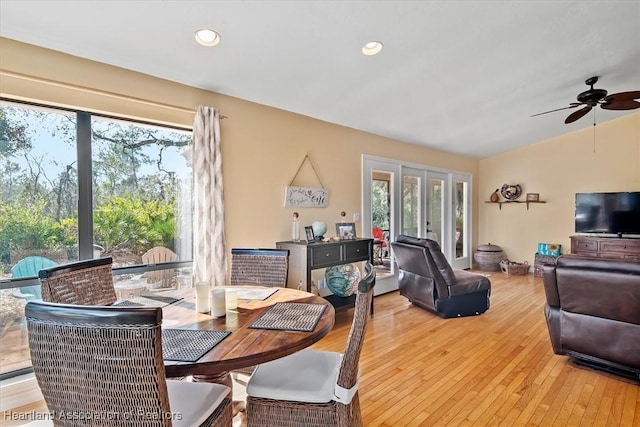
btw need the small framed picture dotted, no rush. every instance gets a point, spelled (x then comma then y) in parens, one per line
(308, 234)
(346, 230)
(533, 197)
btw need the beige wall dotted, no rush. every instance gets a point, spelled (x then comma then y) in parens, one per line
(262, 146)
(557, 169)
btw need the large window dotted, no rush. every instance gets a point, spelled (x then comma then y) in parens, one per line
(141, 189)
(74, 186)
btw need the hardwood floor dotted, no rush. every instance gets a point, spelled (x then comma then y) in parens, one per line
(496, 369)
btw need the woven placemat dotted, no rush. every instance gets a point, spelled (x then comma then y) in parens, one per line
(141, 302)
(161, 298)
(127, 303)
(290, 316)
(188, 345)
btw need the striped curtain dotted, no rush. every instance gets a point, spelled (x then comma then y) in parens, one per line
(209, 251)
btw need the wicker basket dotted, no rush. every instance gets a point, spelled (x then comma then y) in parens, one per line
(541, 260)
(514, 268)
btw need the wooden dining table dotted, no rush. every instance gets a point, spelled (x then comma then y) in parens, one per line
(244, 346)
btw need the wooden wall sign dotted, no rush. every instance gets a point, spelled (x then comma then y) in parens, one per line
(305, 197)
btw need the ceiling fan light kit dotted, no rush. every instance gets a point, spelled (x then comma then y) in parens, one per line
(593, 97)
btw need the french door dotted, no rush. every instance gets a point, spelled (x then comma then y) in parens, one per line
(380, 189)
(460, 255)
(419, 201)
(437, 208)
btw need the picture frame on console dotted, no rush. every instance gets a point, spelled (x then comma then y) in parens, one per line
(346, 230)
(533, 197)
(308, 234)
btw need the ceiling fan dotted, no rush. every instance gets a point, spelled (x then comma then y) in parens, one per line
(593, 97)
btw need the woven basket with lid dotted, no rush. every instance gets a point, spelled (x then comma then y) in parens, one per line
(488, 257)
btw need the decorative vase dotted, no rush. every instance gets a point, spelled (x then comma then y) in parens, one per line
(319, 228)
(343, 280)
(494, 196)
(295, 228)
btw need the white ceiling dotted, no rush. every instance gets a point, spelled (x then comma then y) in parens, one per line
(459, 76)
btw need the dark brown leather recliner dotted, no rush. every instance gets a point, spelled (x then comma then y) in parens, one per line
(428, 281)
(593, 312)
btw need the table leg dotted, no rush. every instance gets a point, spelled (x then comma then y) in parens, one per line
(219, 378)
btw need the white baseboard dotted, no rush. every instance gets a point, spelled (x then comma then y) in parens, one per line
(19, 391)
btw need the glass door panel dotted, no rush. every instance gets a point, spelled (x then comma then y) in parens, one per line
(462, 215)
(411, 205)
(380, 189)
(436, 206)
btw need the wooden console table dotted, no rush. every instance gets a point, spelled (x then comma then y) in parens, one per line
(606, 247)
(305, 257)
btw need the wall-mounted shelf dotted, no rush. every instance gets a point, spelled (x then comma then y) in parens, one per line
(515, 201)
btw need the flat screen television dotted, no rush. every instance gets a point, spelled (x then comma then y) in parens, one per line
(611, 213)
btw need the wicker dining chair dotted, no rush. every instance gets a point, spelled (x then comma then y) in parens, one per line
(260, 267)
(87, 282)
(103, 366)
(313, 387)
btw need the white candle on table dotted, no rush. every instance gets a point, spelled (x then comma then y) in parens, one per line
(218, 302)
(202, 297)
(231, 297)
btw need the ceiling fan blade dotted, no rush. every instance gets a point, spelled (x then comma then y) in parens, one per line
(622, 96)
(572, 105)
(621, 105)
(578, 114)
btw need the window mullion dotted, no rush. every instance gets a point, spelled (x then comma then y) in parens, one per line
(85, 187)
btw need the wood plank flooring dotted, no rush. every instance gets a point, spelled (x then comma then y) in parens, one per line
(496, 369)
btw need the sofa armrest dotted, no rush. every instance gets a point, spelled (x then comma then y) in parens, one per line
(418, 289)
(550, 281)
(552, 315)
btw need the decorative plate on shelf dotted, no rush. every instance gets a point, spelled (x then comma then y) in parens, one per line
(511, 192)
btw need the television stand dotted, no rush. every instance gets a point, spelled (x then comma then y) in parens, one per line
(622, 248)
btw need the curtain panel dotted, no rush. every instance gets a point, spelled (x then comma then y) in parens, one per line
(209, 252)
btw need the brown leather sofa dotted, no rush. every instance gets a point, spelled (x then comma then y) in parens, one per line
(593, 312)
(428, 281)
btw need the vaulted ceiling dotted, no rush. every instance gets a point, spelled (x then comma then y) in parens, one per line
(459, 76)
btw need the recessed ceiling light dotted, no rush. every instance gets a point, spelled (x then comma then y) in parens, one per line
(372, 48)
(207, 37)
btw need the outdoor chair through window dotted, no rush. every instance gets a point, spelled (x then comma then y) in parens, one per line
(380, 245)
(159, 255)
(103, 366)
(29, 267)
(26, 267)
